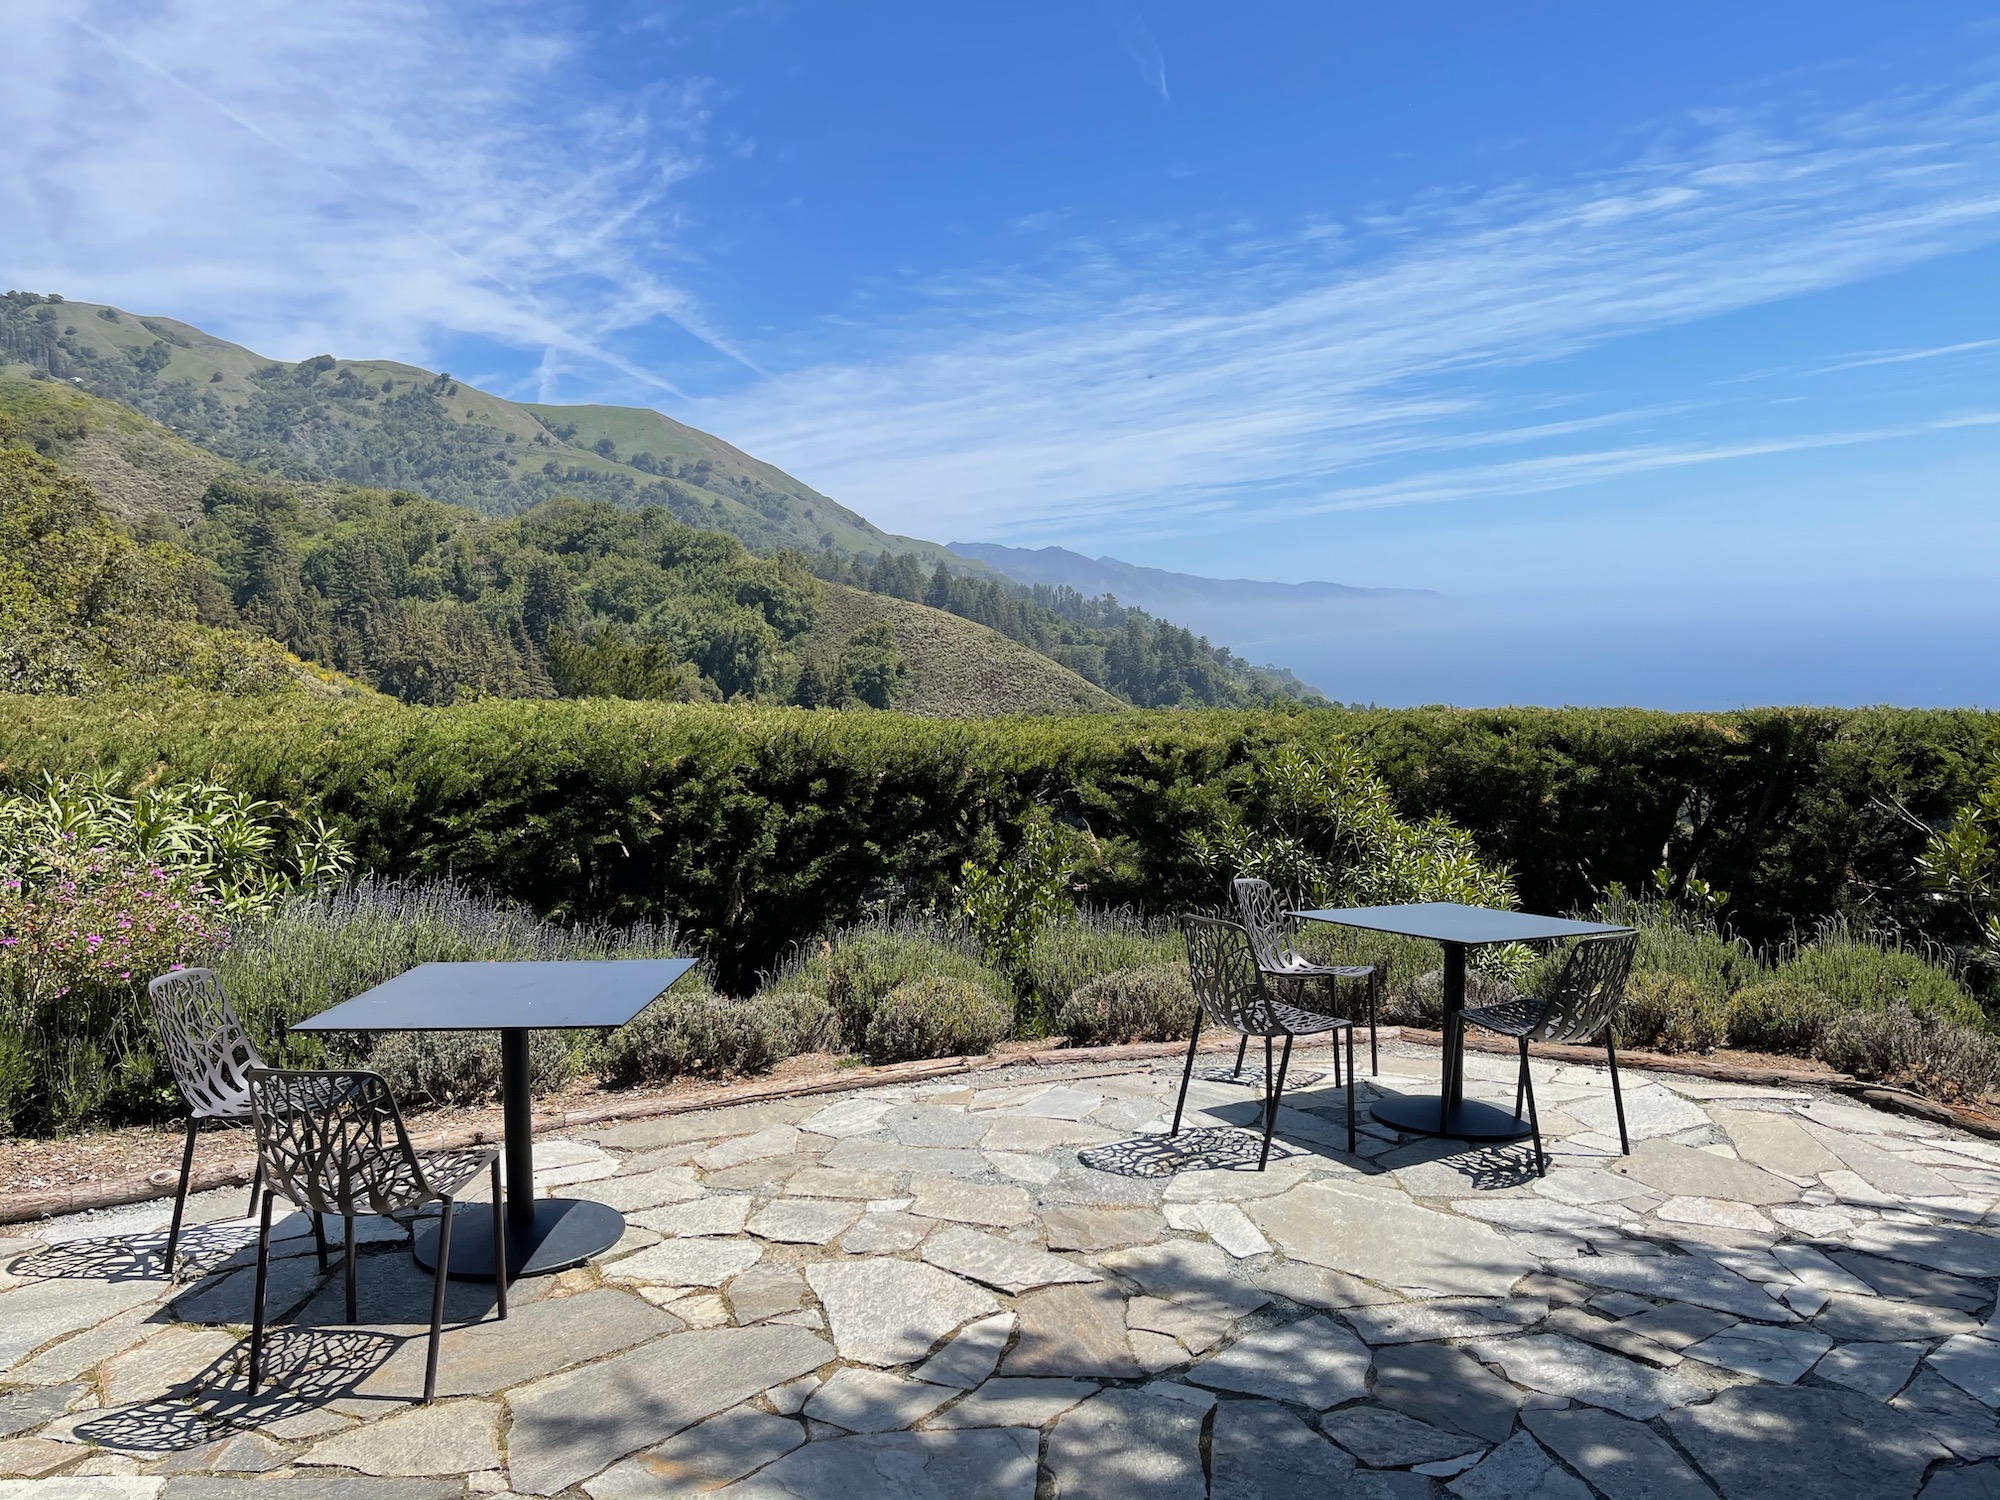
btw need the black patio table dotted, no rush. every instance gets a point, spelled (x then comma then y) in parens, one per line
(1455, 928)
(548, 1234)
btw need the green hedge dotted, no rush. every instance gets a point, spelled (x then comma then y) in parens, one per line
(753, 828)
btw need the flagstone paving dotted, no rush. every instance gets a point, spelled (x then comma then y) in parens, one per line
(1020, 1288)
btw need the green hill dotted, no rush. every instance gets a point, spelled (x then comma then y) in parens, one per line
(393, 426)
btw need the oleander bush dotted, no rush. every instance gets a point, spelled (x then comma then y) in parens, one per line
(854, 968)
(1667, 1013)
(1780, 1015)
(937, 1017)
(1922, 1053)
(693, 1032)
(1151, 1004)
(1092, 942)
(1871, 970)
(463, 1067)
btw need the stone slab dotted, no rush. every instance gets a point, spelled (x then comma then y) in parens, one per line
(939, 1197)
(1949, 1415)
(1313, 1362)
(1897, 1278)
(1685, 1171)
(1972, 1364)
(1073, 1331)
(886, 1234)
(1888, 1319)
(876, 1401)
(1961, 1252)
(972, 1355)
(1014, 1402)
(1260, 1451)
(704, 1457)
(1560, 1366)
(1878, 1370)
(1776, 1142)
(1776, 1442)
(1445, 1386)
(999, 1263)
(1683, 1278)
(1519, 1469)
(1623, 1459)
(1386, 1439)
(1128, 1443)
(1780, 1355)
(979, 1464)
(693, 1262)
(718, 1214)
(1084, 1228)
(1377, 1233)
(567, 1427)
(766, 1290)
(1445, 1318)
(537, 1339)
(645, 1190)
(803, 1221)
(891, 1312)
(452, 1437)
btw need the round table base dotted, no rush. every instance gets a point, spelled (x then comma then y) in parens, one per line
(565, 1232)
(1468, 1120)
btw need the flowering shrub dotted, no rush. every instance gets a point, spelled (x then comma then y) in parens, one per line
(98, 893)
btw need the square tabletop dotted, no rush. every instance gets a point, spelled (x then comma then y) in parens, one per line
(1448, 922)
(540, 996)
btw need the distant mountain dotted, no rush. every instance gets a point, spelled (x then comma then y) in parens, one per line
(394, 426)
(1155, 589)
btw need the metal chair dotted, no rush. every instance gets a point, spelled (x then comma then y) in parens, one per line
(1234, 991)
(1579, 1007)
(1272, 932)
(210, 1055)
(333, 1142)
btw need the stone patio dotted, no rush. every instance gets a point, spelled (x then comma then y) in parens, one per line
(1021, 1288)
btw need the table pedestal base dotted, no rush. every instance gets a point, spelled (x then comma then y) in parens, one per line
(1468, 1120)
(564, 1232)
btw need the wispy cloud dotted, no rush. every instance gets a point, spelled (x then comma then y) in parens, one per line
(368, 177)
(1144, 49)
(1171, 371)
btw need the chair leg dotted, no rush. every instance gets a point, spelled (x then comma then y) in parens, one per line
(499, 1243)
(1277, 1088)
(1187, 1073)
(1617, 1097)
(1521, 1082)
(1270, 1099)
(1534, 1119)
(180, 1198)
(257, 1296)
(319, 1237)
(347, 1222)
(1353, 1086)
(437, 1299)
(1242, 1045)
(256, 1189)
(1374, 997)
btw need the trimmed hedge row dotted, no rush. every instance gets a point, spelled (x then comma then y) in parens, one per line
(753, 828)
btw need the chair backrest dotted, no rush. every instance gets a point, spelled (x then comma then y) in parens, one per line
(1223, 968)
(1265, 920)
(333, 1142)
(206, 1046)
(1587, 988)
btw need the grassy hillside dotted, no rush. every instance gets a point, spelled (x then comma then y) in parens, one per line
(957, 670)
(389, 425)
(136, 467)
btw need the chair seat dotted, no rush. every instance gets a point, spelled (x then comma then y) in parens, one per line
(448, 1171)
(1295, 1020)
(1324, 971)
(224, 1107)
(1522, 1017)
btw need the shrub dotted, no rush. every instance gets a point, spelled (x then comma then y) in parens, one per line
(1068, 954)
(1667, 1013)
(1871, 971)
(1421, 1001)
(1151, 1004)
(429, 1068)
(1922, 1053)
(696, 1033)
(1689, 945)
(937, 1017)
(853, 969)
(1780, 1015)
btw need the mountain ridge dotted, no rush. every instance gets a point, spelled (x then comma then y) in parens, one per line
(1155, 589)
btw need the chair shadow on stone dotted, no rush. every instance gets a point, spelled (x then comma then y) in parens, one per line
(133, 1257)
(304, 1369)
(1252, 1077)
(1211, 1148)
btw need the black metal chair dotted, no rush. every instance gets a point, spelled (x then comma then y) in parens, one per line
(1579, 1006)
(1272, 933)
(333, 1142)
(210, 1056)
(1233, 991)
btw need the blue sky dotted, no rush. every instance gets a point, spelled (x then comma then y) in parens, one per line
(1484, 299)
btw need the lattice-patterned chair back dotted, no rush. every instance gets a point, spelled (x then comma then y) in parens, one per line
(1223, 969)
(1268, 926)
(1587, 989)
(333, 1142)
(206, 1046)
